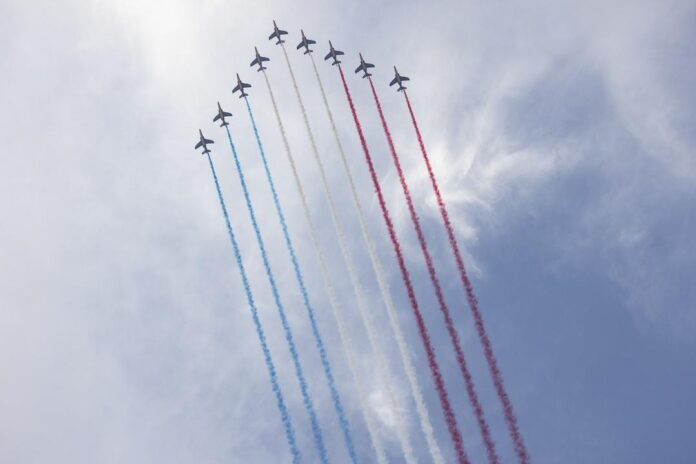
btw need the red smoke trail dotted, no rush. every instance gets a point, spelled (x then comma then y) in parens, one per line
(432, 362)
(510, 418)
(454, 337)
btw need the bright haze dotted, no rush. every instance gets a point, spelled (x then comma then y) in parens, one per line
(563, 135)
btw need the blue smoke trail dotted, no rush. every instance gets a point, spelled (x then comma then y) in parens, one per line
(318, 440)
(310, 312)
(289, 432)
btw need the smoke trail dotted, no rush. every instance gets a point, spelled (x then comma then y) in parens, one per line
(406, 360)
(330, 290)
(454, 337)
(310, 312)
(365, 315)
(287, 424)
(423, 331)
(510, 418)
(319, 442)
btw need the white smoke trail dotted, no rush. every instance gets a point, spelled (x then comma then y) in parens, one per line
(366, 315)
(333, 300)
(416, 391)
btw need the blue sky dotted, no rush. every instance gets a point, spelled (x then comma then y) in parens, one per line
(563, 137)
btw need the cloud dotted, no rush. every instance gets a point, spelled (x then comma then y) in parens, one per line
(123, 331)
(595, 89)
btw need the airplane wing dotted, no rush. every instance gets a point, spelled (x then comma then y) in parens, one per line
(300, 45)
(277, 34)
(394, 81)
(310, 41)
(236, 89)
(338, 52)
(226, 114)
(263, 58)
(245, 85)
(404, 78)
(198, 145)
(360, 68)
(207, 141)
(328, 56)
(256, 61)
(217, 116)
(368, 65)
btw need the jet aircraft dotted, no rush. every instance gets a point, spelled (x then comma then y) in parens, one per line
(203, 142)
(258, 60)
(364, 67)
(398, 79)
(221, 115)
(333, 53)
(305, 43)
(240, 88)
(277, 33)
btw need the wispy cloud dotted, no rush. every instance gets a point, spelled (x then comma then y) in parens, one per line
(123, 333)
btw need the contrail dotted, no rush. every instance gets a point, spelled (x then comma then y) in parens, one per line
(406, 360)
(310, 312)
(287, 424)
(318, 439)
(366, 316)
(454, 337)
(330, 290)
(423, 331)
(510, 418)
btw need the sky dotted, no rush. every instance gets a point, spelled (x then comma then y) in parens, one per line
(562, 134)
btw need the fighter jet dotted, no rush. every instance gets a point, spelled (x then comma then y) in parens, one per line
(276, 34)
(221, 115)
(333, 53)
(364, 67)
(240, 87)
(203, 142)
(259, 60)
(305, 43)
(398, 79)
